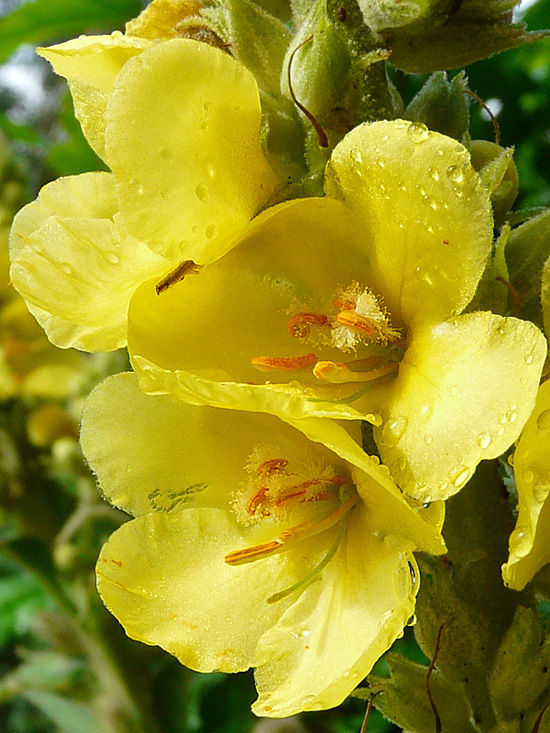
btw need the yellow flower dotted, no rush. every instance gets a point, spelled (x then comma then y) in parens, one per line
(29, 364)
(529, 546)
(251, 545)
(178, 124)
(351, 306)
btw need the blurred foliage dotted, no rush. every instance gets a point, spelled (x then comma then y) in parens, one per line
(65, 664)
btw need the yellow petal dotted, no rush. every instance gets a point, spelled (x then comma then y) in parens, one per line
(160, 18)
(176, 453)
(529, 546)
(197, 339)
(182, 138)
(164, 577)
(91, 64)
(426, 218)
(463, 393)
(75, 266)
(328, 641)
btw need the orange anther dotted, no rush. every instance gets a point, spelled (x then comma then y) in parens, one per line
(255, 502)
(187, 267)
(344, 305)
(351, 319)
(300, 324)
(274, 464)
(288, 363)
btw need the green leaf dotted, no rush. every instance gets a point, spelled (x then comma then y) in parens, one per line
(69, 716)
(42, 21)
(20, 598)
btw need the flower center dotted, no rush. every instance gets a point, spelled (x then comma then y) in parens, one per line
(282, 493)
(358, 320)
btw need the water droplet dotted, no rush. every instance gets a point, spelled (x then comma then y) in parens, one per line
(428, 439)
(500, 431)
(426, 411)
(484, 440)
(520, 541)
(443, 485)
(135, 187)
(166, 154)
(418, 132)
(459, 476)
(541, 489)
(356, 155)
(375, 460)
(401, 463)
(379, 162)
(211, 231)
(528, 476)
(350, 674)
(201, 192)
(66, 268)
(211, 171)
(112, 258)
(454, 173)
(427, 200)
(433, 173)
(543, 421)
(503, 419)
(512, 459)
(512, 415)
(393, 430)
(529, 359)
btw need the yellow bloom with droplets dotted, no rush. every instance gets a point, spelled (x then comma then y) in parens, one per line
(251, 545)
(529, 546)
(351, 307)
(178, 124)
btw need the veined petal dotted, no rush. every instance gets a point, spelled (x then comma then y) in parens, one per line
(182, 138)
(197, 339)
(328, 641)
(426, 217)
(529, 547)
(463, 393)
(75, 266)
(175, 453)
(90, 64)
(164, 577)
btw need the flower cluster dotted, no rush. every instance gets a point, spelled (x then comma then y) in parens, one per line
(262, 339)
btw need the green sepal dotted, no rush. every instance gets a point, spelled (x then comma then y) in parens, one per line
(338, 74)
(527, 250)
(442, 105)
(521, 670)
(492, 294)
(382, 15)
(545, 297)
(498, 174)
(471, 31)
(404, 698)
(257, 39)
(464, 594)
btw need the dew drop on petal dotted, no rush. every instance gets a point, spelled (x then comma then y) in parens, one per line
(529, 359)
(484, 440)
(417, 132)
(454, 173)
(356, 155)
(66, 268)
(528, 476)
(211, 231)
(541, 489)
(112, 258)
(520, 541)
(135, 187)
(459, 476)
(543, 421)
(201, 192)
(428, 439)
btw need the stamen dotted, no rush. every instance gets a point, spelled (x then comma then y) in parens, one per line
(187, 267)
(378, 332)
(290, 536)
(314, 573)
(267, 363)
(300, 490)
(271, 466)
(255, 502)
(299, 325)
(338, 372)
